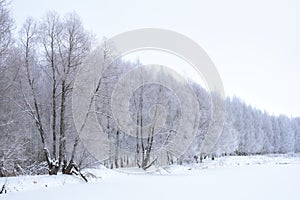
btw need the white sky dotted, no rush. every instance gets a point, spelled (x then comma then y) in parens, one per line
(255, 44)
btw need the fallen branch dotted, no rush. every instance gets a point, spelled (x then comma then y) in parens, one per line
(73, 169)
(3, 190)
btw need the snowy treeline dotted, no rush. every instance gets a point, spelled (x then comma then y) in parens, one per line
(246, 130)
(38, 65)
(250, 131)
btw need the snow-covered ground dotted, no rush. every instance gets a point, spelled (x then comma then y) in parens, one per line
(254, 177)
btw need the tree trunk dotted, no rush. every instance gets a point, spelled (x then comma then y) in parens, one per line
(54, 117)
(62, 137)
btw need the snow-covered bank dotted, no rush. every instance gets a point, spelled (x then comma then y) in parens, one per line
(255, 177)
(250, 160)
(31, 183)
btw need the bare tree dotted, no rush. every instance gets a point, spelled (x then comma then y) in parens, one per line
(74, 46)
(28, 44)
(65, 44)
(6, 41)
(6, 25)
(50, 33)
(102, 56)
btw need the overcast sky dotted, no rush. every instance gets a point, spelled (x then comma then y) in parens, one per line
(255, 45)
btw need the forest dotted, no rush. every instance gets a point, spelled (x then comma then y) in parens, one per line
(38, 66)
